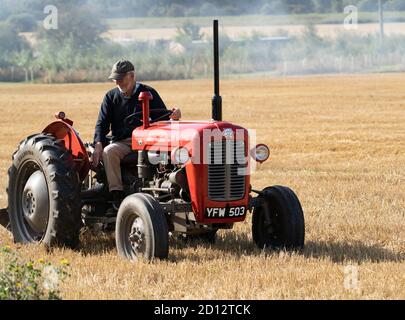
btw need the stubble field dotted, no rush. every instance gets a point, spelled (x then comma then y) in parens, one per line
(339, 142)
(237, 31)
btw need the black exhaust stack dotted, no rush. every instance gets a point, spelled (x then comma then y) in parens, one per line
(216, 100)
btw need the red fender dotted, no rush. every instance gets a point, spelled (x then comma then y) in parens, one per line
(62, 129)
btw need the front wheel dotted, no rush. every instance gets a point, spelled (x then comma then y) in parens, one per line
(279, 221)
(141, 228)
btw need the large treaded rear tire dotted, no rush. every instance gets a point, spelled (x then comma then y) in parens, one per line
(43, 153)
(286, 229)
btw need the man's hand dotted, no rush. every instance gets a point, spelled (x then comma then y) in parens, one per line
(98, 152)
(176, 115)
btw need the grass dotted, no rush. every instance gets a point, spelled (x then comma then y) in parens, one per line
(249, 20)
(337, 141)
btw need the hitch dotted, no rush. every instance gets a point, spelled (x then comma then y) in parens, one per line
(254, 202)
(4, 219)
(260, 202)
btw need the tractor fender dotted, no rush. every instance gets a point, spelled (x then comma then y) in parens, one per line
(62, 130)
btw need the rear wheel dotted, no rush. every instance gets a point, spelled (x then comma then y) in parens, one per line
(141, 228)
(44, 193)
(279, 221)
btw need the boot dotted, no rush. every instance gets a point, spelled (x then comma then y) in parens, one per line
(117, 196)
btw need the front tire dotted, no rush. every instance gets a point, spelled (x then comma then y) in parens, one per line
(141, 228)
(279, 222)
(44, 193)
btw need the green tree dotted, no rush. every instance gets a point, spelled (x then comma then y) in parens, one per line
(188, 32)
(323, 6)
(303, 6)
(10, 43)
(273, 7)
(175, 10)
(82, 23)
(23, 59)
(23, 22)
(47, 60)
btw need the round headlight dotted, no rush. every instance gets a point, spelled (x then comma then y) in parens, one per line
(260, 153)
(180, 156)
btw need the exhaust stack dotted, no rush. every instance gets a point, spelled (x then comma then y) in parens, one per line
(216, 100)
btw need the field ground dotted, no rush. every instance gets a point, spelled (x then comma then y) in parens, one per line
(235, 32)
(339, 142)
(145, 29)
(330, 25)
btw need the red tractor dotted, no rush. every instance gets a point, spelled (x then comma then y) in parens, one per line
(185, 178)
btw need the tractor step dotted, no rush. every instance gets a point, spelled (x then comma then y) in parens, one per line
(4, 219)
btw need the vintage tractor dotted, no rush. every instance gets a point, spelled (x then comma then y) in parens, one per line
(184, 178)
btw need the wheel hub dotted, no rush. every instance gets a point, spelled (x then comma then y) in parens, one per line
(35, 202)
(137, 235)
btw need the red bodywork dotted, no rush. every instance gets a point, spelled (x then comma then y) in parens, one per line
(62, 129)
(168, 135)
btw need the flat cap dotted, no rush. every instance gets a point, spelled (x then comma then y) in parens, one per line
(120, 69)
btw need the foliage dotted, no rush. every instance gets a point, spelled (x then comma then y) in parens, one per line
(188, 32)
(305, 53)
(22, 22)
(76, 51)
(82, 24)
(10, 42)
(29, 280)
(175, 10)
(179, 8)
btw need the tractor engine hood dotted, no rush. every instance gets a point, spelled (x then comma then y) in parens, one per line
(168, 135)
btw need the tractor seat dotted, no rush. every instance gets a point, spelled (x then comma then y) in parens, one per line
(131, 159)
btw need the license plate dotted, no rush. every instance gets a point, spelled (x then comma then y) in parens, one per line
(229, 212)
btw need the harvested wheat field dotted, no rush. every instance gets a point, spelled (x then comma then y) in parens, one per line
(338, 141)
(235, 32)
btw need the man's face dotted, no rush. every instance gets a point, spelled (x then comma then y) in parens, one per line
(126, 83)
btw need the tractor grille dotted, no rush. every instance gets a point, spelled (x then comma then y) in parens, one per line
(226, 181)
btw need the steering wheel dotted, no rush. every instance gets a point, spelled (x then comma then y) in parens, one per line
(131, 117)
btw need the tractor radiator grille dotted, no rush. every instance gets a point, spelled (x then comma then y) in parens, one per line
(226, 167)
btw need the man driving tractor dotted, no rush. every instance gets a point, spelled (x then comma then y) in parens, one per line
(57, 187)
(117, 105)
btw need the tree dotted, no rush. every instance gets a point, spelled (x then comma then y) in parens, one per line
(188, 32)
(367, 5)
(23, 22)
(10, 43)
(323, 6)
(4, 10)
(23, 59)
(175, 10)
(273, 7)
(82, 23)
(208, 9)
(302, 6)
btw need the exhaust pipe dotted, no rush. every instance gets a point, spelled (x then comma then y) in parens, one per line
(145, 97)
(216, 100)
